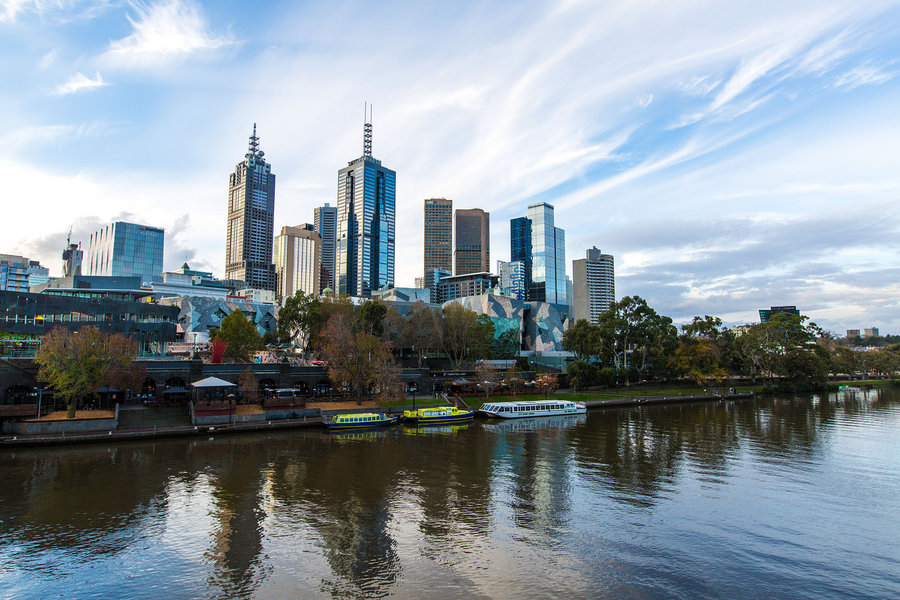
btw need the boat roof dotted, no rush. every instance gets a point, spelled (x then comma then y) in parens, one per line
(531, 402)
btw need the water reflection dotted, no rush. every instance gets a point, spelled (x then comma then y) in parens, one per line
(383, 512)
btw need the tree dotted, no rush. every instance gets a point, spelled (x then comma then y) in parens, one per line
(581, 374)
(698, 360)
(513, 379)
(77, 363)
(481, 338)
(764, 348)
(217, 350)
(298, 317)
(631, 327)
(240, 335)
(583, 338)
(486, 376)
(508, 344)
(547, 383)
(421, 331)
(370, 318)
(455, 331)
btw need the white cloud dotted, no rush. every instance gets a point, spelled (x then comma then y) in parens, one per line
(78, 83)
(862, 75)
(164, 30)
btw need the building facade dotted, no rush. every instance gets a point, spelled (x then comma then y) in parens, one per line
(541, 246)
(298, 258)
(472, 241)
(325, 222)
(438, 234)
(126, 249)
(251, 219)
(13, 273)
(767, 313)
(512, 278)
(594, 285)
(365, 224)
(520, 251)
(460, 286)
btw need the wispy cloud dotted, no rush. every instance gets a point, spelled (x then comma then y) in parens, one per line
(165, 30)
(78, 83)
(58, 10)
(863, 75)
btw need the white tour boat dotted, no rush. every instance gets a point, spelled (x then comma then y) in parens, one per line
(534, 408)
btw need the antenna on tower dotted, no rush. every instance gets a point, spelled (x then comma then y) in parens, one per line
(254, 143)
(367, 130)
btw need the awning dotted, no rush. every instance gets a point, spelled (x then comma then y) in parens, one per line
(213, 382)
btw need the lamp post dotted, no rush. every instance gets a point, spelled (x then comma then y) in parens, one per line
(40, 391)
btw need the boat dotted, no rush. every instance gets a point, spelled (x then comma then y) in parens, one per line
(438, 415)
(534, 408)
(348, 421)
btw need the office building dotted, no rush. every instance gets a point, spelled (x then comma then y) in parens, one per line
(766, 314)
(126, 249)
(298, 253)
(541, 246)
(325, 222)
(870, 332)
(37, 274)
(520, 252)
(13, 273)
(365, 223)
(471, 245)
(512, 281)
(594, 285)
(438, 234)
(460, 286)
(251, 220)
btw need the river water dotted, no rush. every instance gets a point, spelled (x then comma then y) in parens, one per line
(767, 498)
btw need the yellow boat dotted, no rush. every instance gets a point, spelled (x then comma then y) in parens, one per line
(348, 421)
(437, 415)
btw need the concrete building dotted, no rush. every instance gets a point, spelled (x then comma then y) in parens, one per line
(325, 222)
(126, 249)
(298, 261)
(438, 234)
(251, 220)
(189, 282)
(255, 295)
(593, 286)
(870, 332)
(366, 199)
(459, 286)
(853, 333)
(13, 273)
(403, 295)
(472, 241)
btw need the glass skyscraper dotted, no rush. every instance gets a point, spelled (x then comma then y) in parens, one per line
(251, 220)
(126, 250)
(520, 251)
(325, 222)
(541, 247)
(365, 224)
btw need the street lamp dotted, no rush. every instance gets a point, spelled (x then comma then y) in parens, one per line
(40, 391)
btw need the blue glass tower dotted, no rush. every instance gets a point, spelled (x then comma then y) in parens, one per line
(541, 247)
(365, 223)
(126, 249)
(520, 252)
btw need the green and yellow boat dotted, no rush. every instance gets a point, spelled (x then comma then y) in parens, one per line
(348, 421)
(437, 415)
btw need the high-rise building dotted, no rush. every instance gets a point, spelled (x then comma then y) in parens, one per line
(37, 274)
(438, 234)
(541, 247)
(472, 244)
(512, 278)
(365, 223)
(72, 257)
(520, 251)
(297, 261)
(594, 285)
(325, 221)
(126, 250)
(13, 273)
(251, 220)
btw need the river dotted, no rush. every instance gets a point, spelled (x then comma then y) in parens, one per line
(765, 498)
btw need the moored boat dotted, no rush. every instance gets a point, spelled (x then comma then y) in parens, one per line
(438, 415)
(347, 421)
(534, 408)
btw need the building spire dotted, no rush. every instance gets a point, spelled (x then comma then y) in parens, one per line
(254, 144)
(367, 130)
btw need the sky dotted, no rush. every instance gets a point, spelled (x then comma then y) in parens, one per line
(731, 155)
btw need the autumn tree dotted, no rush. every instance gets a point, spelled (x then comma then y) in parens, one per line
(547, 384)
(76, 363)
(240, 335)
(486, 376)
(359, 360)
(421, 331)
(457, 326)
(248, 386)
(513, 379)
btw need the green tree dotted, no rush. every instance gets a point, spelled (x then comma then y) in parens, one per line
(698, 360)
(583, 338)
(76, 363)
(298, 318)
(634, 335)
(240, 335)
(581, 375)
(508, 345)
(370, 318)
(456, 327)
(481, 338)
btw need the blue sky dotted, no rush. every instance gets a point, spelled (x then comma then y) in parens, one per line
(732, 156)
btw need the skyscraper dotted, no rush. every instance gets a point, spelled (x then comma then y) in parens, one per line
(297, 261)
(472, 247)
(125, 250)
(541, 246)
(438, 234)
(365, 223)
(520, 252)
(325, 221)
(594, 285)
(251, 220)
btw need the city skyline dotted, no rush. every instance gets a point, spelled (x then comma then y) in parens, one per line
(730, 162)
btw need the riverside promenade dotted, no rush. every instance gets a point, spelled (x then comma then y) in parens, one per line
(148, 427)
